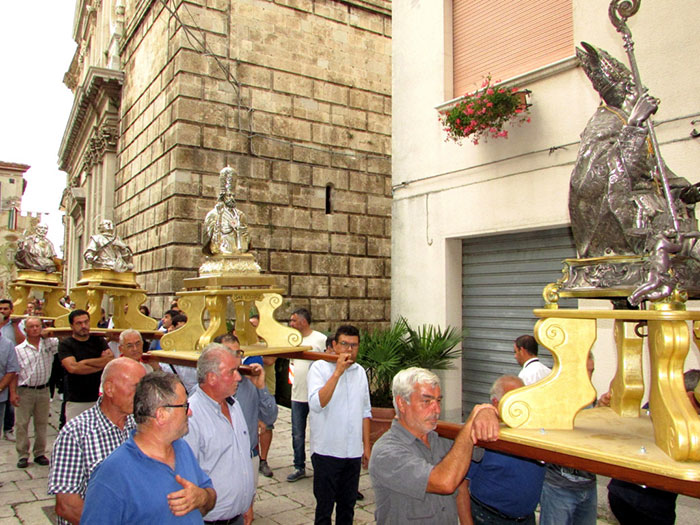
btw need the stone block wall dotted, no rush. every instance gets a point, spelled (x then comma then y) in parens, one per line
(295, 96)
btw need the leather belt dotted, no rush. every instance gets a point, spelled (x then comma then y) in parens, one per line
(39, 387)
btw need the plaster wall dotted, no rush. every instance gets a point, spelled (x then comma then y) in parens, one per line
(444, 192)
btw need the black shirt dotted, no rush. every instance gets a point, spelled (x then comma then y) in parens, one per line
(82, 388)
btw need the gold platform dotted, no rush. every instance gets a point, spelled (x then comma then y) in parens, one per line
(554, 402)
(48, 284)
(89, 293)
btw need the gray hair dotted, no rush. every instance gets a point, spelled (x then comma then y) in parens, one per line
(405, 381)
(500, 386)
(129, 331)
(210, 360)
(153, 391)
(35, 318)
(691, 378)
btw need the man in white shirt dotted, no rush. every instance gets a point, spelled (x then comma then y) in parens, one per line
(298, 369)
(35, 357)
(525, 349)
(340, 412)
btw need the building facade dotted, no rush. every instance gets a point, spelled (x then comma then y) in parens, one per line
(12, 222)
(478, 230)
(294, 95)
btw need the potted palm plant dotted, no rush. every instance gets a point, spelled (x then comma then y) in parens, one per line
(383, 353)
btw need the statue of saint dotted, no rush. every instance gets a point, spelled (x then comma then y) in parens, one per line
(36, 252)
(616, 199)
(225, 227)
(107, 250)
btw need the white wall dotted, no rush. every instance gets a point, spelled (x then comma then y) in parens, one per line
(444, 192)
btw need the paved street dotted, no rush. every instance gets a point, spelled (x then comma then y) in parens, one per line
(23, 497)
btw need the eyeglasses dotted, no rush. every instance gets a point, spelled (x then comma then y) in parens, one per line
(345, 344)
(185, 405)
(133, 345)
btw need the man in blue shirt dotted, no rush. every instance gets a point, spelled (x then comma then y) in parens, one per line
(153, 477)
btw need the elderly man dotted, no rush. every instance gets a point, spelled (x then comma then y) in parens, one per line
(504, 488)
(90, 437)
(525, 350)
(219, 435)
(35, 357)
(131, 346)
(153, 477)
(339, 412)
(416, 474)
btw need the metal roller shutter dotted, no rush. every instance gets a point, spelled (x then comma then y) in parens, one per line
(502, 281)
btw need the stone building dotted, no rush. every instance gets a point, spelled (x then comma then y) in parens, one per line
(293, 94)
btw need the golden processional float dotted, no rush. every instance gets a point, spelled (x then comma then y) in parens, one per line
(229, 274)
(636, 235)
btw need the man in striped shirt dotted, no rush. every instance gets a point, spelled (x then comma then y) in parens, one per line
(93, 435)
(35, 357)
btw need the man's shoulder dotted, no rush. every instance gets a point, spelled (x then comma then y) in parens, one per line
(317, 340)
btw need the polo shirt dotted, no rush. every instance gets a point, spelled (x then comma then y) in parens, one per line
(131, 487)
(399, 467)
(507, 483)
(82, 388)
(336, 429)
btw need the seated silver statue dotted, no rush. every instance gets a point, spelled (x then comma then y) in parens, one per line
(225, 227)
(107, 250)
(616, 200)
(36, 252)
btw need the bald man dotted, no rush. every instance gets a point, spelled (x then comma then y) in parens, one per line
(89, 438)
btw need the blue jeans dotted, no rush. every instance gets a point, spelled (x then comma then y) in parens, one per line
(562, 506)
(300, 413)
(483, 515)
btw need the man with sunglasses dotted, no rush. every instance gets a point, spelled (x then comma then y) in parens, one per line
(219, 435)
(339, 410)
(153, 477)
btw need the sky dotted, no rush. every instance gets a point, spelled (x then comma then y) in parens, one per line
(36, 49)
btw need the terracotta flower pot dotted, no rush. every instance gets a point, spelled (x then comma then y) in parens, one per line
(380, 422)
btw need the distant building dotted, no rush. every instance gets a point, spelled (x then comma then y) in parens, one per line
(295, 96)
(12, 222)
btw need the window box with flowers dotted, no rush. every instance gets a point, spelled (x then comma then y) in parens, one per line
(483, 114)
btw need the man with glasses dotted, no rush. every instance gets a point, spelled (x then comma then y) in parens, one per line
(90, 437)
(339, 410)
(153, 476)
(219, 435)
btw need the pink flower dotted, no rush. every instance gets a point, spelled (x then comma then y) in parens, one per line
(489, 104)
(528, 119)
(518, 110)
(470, 111)
(514, 90)
(489, 91)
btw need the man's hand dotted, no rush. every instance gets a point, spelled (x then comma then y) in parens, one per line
(191, 497)
(248, 516)
(365, 457)
(257, 379)
(485, 424)
(604, 400)
(107, 353)
(343, 363)
(14, 398)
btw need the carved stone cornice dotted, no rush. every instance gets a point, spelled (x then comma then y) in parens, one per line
(97, 81)
(103, 139)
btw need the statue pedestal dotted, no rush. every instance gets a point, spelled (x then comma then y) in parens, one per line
(554, 402)
(95, 283)
(210, 294)
(49, 284)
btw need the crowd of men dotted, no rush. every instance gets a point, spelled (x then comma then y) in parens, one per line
(143, 444)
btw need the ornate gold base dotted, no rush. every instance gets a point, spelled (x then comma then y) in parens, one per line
(209, 294)
(34, 277)
(554, 402)
(125, 293)
(221, 265)
(30, 282)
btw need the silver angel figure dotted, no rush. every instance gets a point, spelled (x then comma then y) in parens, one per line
(225, 227)
(107, 250)
(36, 252)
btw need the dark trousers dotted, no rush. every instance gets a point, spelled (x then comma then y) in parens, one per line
(300, 413)
(9, 419)
(335, 483)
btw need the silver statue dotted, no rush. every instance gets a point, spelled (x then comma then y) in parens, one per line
(617, 199)
(107, 250)
(225, 227)
(36, 252)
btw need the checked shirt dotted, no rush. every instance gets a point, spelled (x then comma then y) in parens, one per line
(82, 445)
(35, 363)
